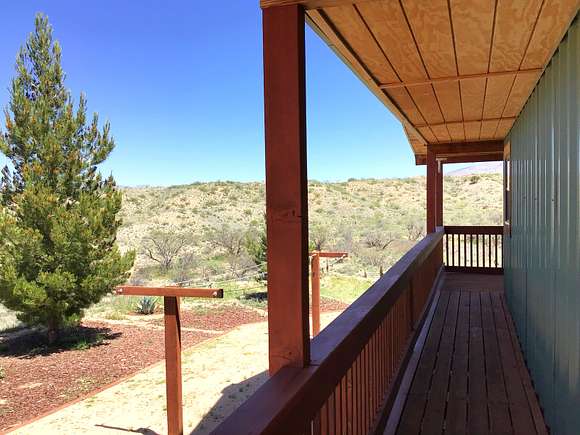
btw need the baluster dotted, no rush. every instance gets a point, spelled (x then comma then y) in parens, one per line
(496, 250)
(453, 249)
(489, 252)
(465, 250)
(477, 250)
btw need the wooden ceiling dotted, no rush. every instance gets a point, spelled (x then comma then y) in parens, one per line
(452, 71)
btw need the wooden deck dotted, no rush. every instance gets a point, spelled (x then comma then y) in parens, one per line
(467, 375)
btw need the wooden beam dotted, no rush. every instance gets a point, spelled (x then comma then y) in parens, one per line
(459, 77)
(170, 291)
(286, 186)
(421, 159)
(439, 194)
(309, 4)
(173, 365)
(431, 190)
(439, 124)
(465, 148)
(330, 254)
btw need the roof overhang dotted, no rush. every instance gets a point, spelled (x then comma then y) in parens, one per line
(451, 72)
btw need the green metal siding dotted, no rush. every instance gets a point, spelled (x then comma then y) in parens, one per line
(542, 261)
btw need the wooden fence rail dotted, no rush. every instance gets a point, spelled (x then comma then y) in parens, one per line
(475, 249)
(357, 361)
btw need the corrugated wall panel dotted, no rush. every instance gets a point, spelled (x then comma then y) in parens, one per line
(542, 264)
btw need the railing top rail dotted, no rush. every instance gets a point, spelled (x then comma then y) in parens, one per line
(293, 395)
(473, 229)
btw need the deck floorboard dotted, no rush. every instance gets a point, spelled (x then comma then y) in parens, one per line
(470, 378)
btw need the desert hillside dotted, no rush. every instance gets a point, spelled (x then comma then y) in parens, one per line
(343, 215)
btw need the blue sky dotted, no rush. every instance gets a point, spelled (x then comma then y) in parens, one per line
(181, 84)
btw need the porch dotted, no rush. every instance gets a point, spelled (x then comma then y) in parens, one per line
(424, 351)
(430, 348)
(467, 373)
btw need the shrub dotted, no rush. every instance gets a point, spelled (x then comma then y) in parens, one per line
(147, 305)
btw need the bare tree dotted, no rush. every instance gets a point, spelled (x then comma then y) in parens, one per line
(378, 240)
(376, 258)
(319, 237)
(183, 268)
(414, 230)
(164, 247)
(229, 239)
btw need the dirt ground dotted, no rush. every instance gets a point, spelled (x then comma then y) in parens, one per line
(218, 375)
(37, 378)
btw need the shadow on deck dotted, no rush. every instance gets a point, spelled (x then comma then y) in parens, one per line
(467, 374)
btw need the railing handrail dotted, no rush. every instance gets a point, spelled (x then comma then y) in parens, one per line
(473, 229)
(289, 400)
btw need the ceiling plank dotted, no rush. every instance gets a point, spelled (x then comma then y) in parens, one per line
(472, 95)
(425, 99)
(441, 133)
(431, 27)
(407, 105)
(349, 24)
(472, 29)
(472, 130)
(488, 129)
(496, 95)
(387, 22)
(503, 127)
(553, 22)
(427, 134)
(521, 90)
(456, 131)
(449, 99)
(514, 23)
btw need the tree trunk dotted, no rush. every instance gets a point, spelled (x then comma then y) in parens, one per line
(53, 331)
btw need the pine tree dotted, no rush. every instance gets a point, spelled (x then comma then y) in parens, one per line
(58, 215)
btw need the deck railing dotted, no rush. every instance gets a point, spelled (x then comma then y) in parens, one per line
(476, 249)
(357, 361)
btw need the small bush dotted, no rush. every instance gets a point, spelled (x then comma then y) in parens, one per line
(146, 305)
(2, 372)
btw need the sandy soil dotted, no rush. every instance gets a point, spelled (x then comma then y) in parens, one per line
(218, 375)
(37, 378)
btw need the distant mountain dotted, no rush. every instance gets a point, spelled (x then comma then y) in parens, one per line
(480, 168)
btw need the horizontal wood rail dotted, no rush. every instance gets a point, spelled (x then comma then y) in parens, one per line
(357, 361)
(170, 291)
(475, 249)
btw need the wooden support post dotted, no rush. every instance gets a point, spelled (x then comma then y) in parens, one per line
(171, 297)
(431, 190)
(286, 186)
(439, 189)
(315, 277)
(173, 365)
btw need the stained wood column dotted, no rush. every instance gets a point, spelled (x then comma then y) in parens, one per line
(431, 190)
(286, 186)
(315, 280)
(173, 365)
(439, 194)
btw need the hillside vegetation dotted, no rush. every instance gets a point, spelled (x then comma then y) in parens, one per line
(210, 231)
(343, 215)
